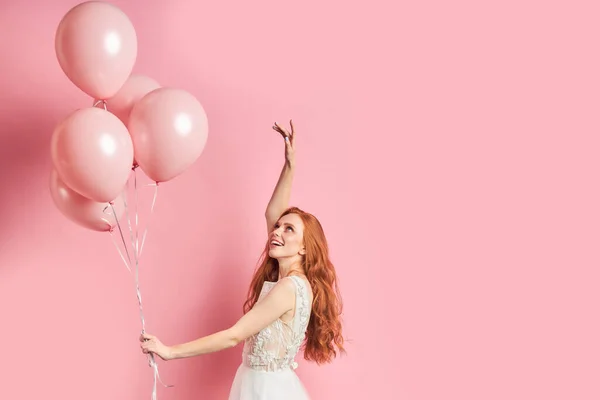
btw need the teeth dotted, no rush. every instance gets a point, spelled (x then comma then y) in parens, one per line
(276, 243)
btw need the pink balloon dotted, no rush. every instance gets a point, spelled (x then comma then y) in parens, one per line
(93, 153)
(85, 212)
(96, 47)
(169, 129)
(136, 87)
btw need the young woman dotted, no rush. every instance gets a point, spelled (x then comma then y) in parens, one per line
(293, 302)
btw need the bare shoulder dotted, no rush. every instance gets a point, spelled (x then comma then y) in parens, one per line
(302, 281)
(283, 290)
(286, 285)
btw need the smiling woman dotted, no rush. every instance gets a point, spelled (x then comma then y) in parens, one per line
(286, 239)
(293, 300)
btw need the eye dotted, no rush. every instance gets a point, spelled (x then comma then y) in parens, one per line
(290, 228)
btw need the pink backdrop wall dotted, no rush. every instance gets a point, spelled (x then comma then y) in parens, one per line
(449, 148)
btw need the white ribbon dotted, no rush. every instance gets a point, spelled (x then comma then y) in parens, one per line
(136, 256)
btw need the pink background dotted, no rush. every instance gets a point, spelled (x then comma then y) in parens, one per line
(449, 148)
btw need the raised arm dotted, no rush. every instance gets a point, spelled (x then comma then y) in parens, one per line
(280, 198)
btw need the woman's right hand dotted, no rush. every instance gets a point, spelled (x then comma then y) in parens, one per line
(151, 344)
(288, 137)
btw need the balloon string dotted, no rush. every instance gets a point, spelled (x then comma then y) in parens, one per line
(103, 104)
(135, 186)
(150, 216)
(137, 263)
(151, 360)
(134, 243)
(121, 232)
(110, 231)
(119, 250)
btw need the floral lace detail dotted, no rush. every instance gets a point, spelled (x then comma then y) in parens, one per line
(275, 347)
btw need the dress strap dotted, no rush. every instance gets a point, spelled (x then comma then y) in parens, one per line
(302, 311)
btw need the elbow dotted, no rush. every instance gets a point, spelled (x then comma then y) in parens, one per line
(232, 339)
(232, 343)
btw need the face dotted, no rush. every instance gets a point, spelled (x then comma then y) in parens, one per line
(287, 239)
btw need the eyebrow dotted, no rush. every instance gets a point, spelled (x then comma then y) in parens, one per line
(287, 223)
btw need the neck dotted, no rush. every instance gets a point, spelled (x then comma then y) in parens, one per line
(287, 266)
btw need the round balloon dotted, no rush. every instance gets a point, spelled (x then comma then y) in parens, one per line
(169, 129)
(136, 87)
(83, 211)
(93, 153)
(96, 47)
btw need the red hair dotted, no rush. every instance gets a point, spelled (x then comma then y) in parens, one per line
(324, 333)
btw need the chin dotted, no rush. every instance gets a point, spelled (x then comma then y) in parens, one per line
(273, 253)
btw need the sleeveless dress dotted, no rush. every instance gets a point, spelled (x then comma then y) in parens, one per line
(267, 369)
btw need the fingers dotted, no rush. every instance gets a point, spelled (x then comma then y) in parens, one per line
(277, 129)
(148, 347)
(293, 135)
(146, 336)
(281, 130)
(287, 135)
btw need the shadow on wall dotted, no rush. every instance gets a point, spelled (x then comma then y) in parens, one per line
(25, 163)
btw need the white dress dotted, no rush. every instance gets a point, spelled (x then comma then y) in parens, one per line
(267, 369)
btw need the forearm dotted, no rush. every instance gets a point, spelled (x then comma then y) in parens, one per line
(281, 195)
(209, 344)
(280, 300)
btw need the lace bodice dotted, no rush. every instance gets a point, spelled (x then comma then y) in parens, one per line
(275, 347)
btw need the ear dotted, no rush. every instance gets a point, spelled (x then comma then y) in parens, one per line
(302, 251)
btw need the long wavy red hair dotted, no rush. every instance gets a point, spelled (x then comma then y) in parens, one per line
(324, 338)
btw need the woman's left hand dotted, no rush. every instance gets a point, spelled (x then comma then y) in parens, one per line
(151, 344)
(288, 137)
